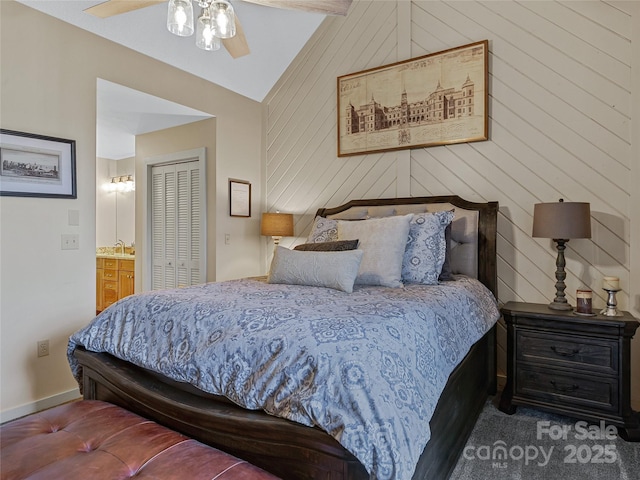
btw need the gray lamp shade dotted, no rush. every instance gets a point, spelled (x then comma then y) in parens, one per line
(563, 220)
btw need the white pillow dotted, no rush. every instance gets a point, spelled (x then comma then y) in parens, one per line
(383, 241)
(336, 270)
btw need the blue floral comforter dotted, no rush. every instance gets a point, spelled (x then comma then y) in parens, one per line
(366, 367)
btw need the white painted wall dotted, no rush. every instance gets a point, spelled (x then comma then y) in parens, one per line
(125, 204)
(48, 74)
(106, 216)
(562, 110)
(115, 210)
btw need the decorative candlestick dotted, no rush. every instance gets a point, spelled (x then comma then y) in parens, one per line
(611, 310)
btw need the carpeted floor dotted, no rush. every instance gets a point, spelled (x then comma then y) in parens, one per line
(538, 445)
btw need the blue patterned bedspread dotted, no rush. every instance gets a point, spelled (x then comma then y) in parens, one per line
(366, 367)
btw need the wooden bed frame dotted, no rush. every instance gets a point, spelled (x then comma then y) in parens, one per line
(290, 450)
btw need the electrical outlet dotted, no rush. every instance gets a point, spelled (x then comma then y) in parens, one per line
(43, 348)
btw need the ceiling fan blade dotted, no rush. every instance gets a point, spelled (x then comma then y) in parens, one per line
(237, 45)
(111, 8)
(327, 7)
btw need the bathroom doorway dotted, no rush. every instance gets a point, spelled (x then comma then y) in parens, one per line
(122, 114)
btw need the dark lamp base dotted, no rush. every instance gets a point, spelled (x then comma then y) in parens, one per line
(560, 306)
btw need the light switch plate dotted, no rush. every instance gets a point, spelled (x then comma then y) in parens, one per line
(70, 241)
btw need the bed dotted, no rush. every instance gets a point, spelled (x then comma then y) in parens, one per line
(291, 449)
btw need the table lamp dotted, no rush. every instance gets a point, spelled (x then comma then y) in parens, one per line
(277, 225)
(561, 221)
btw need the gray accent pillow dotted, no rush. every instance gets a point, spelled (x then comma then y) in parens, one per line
(383, 241)
(337, 270)
(426, 248)
(337, 246)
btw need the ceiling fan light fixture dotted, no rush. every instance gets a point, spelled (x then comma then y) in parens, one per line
(205, 36)
(180, 17)
(224, 22)
(224, 19)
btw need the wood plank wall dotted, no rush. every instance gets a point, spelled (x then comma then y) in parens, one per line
(560, 114)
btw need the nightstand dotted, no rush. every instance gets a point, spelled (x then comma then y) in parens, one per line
(570, 364)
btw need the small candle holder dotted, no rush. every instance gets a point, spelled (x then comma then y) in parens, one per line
(610, 310)
(584, 303)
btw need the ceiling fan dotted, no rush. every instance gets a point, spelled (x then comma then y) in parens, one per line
(213, 29)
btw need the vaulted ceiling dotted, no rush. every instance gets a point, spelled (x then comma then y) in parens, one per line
(275, 36)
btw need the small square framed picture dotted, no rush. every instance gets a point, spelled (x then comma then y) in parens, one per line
(239, 198)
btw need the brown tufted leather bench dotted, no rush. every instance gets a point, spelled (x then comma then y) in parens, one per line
(94, 440)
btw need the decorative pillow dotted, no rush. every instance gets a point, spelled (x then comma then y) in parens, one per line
(323, 230)
(337, 246)
(426, 248)
(383, 241)
(336, 270)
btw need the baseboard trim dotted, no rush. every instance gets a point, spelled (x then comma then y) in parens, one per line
(39, 405)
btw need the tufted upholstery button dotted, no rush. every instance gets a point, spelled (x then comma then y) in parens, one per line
(98, 440)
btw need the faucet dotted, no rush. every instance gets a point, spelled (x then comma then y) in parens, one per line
(120, 244)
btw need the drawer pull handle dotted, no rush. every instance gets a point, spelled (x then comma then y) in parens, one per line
(566, 353)
(565, 388)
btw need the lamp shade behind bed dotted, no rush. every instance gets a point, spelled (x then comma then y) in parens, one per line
(277, 225)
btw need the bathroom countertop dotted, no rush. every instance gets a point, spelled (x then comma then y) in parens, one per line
(119, 256)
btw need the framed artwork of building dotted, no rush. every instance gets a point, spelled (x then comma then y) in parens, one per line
(437, 99)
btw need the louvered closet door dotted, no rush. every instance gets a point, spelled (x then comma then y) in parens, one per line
(188, 224)
(175, 242)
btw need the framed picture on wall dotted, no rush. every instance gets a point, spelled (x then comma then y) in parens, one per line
(36, 165)
(436, 99)
(239, 198)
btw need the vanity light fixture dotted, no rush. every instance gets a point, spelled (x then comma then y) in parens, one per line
(122, 183)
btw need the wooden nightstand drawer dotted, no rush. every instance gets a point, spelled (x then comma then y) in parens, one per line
(596, 393)
(582, 353)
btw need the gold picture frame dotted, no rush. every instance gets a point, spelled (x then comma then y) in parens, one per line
(436, 99)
